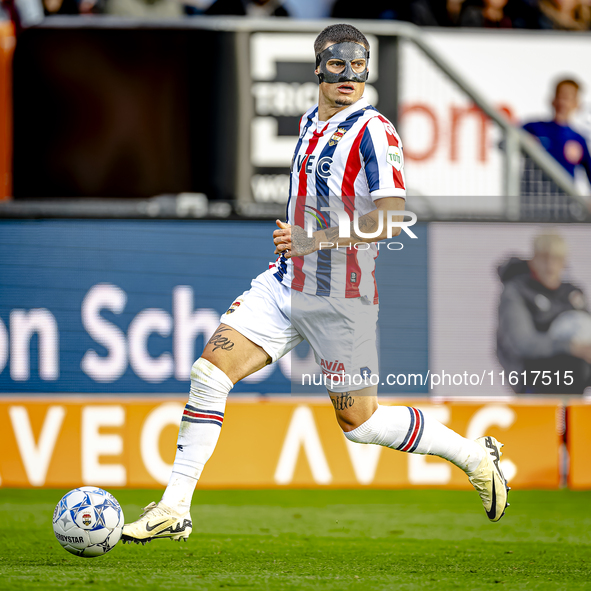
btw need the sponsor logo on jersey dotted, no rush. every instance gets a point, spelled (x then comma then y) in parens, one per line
(337, 136)
(306, 161)
(394, 157)
(323, 167)
(365, 372)
(353, 277)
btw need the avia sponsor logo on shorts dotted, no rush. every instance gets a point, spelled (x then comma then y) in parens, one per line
(332, 367)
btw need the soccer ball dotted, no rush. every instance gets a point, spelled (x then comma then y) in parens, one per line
(573, 324)
(88, 521)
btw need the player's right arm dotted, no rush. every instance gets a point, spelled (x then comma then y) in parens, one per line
(380, 151)
(294, 241)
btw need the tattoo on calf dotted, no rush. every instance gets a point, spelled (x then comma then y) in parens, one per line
(219, 341)
(343, 402)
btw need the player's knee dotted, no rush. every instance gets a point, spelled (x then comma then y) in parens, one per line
(369, 431)
(358, 431)
(208, 383)
(348, 424)
(354, 436)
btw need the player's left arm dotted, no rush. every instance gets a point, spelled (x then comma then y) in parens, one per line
(368, 224)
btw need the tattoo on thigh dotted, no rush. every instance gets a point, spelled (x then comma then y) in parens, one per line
(343, 402)
(219, 341)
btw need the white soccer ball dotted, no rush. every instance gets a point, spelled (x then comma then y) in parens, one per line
(573, 324)
(88, 521)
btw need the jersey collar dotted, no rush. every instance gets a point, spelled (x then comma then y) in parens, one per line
(342, 115)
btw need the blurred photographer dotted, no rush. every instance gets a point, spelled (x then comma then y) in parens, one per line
(543, 322)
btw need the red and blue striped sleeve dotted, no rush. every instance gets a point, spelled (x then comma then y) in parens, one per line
(381, 152)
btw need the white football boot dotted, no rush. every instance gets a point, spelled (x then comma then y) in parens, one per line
(488, 479)
(158, 521)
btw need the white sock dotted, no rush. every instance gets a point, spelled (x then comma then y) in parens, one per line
(198, 432)
(407, 429)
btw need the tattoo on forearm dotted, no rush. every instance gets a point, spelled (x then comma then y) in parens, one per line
(332, 233)
(366, 224)
(343, 402)
(300, 243)
(219, 341)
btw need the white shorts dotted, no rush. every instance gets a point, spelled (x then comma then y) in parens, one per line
(340, 331)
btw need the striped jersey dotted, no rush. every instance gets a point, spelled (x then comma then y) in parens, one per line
(345, 163)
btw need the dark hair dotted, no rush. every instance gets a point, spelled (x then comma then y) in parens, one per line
(567, 81)
(339, 34)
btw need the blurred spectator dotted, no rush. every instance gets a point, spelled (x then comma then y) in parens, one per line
(567, 146)
(145, 9)
(92, 6)
(23, 13)
(248, 8)
(373, 9)
(309, 9)
(51, 7)
(196, 7)
(569, 15)
(499, 14)
(453, 8)
(537, 328)
(433, 13)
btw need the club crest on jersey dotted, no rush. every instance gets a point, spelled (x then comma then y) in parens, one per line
(337, 136)
(233, 307)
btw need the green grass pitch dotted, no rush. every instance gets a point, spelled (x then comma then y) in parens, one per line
(321, 539)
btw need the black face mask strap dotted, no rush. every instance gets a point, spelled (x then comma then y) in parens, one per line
(346, 52)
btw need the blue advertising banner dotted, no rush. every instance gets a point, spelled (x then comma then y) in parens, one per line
(107, 306)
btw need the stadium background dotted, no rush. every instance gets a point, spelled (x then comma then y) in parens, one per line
(101, 318)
